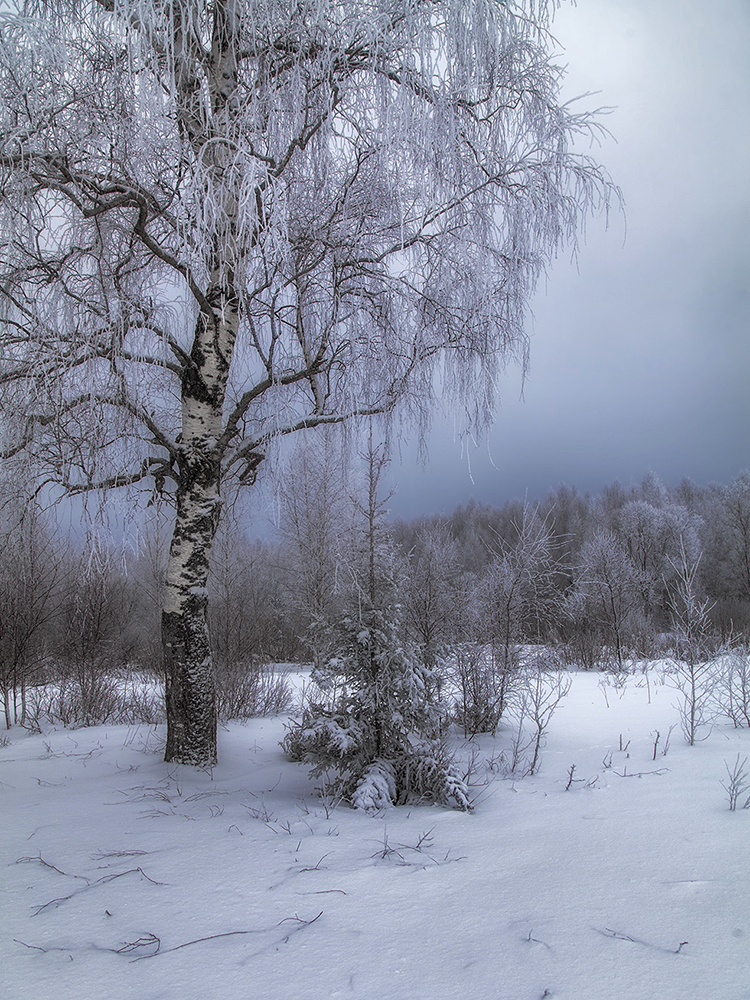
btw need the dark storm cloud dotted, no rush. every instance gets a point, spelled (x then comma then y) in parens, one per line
(640, 356)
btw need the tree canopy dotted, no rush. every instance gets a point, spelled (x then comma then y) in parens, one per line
(224, 222)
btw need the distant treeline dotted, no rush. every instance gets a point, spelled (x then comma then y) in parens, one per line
(602, 578)
(599, 572)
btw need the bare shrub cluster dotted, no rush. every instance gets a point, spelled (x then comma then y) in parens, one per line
(733, 685)
(244, 690)
(92, 699)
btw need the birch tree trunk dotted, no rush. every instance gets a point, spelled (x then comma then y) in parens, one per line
(190, 687)
(190, 694)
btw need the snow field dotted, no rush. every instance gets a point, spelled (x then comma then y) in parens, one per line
(623, 887)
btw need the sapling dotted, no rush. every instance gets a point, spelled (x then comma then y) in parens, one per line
(542, 689)
(694, 664)
(737, 783)
(546, 691)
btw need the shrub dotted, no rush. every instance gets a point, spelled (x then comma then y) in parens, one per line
(244, 690)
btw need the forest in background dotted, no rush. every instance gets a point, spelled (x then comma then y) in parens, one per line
(600, 580)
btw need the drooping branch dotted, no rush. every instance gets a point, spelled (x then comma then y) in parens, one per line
(226, 223)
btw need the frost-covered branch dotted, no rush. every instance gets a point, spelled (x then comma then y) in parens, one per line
(224, 223)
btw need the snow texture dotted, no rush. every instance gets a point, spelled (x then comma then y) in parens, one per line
(129, 879)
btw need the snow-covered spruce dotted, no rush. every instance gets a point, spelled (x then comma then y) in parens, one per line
(382, 734)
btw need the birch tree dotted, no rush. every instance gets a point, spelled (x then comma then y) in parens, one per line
(225, 222)
(517, 596)
(608, 586)
(316, 520)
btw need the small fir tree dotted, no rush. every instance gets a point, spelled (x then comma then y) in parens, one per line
(381, 733)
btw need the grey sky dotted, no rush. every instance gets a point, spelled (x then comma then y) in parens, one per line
(639, 357)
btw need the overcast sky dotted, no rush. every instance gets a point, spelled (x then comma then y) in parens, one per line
(640, 357)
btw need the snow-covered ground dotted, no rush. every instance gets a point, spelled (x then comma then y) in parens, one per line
(125, 878)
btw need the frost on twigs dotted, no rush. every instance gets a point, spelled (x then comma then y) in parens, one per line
(696, 673)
